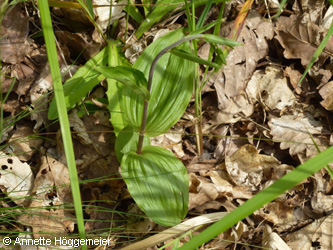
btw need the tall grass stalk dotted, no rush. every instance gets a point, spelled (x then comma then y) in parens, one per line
(62, 111)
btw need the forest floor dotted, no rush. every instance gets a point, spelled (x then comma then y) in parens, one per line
(258, 124)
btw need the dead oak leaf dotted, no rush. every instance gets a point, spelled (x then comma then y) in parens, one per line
(230, 82)
(14, 45)
(301, 40)
(242, 60)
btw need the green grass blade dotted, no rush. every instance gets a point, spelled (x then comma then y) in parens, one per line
(162, 8)
(318, 52)
(134, 12)
(88, 8)
(204, 14)
(267, 195)
(60, 100)
(194, 58)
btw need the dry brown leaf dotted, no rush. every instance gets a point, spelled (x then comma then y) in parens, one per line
(293, 133)
(294, 77)
(201, 191)
(300, 40)
(282, 215)
(326, 93)
(14, 45)
(242, 60)
(318, 234)
(241, 63)
(22, 143)
(78, 42)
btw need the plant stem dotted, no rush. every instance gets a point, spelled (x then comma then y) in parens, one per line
(150, 81)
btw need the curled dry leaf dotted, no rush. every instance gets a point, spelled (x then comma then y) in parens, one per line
(16, 178)
(326, 93)
(246, 167)
(301, 40)
(14, 45)
(266, 87)
(242, 60)
(201, 191)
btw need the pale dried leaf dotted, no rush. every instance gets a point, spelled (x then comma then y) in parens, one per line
(267, 85)
(272, 240)
(328, 18)
(300, 40)
(293, 133)
(175, 231)
(16, 178)
(78, 126)
(171, 140)
(51, 188)
(326, 93)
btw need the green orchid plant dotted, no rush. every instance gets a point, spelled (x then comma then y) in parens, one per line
(146, 100)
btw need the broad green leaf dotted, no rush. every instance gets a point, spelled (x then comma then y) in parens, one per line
(194, 58)
(158, 182)
(171, 91)
(117, 117)
(81, 83)
(220, 40)
(127, 141)
(130, 77)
